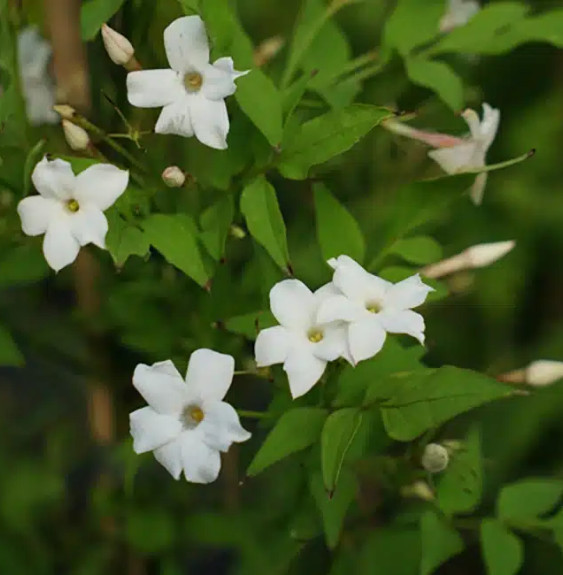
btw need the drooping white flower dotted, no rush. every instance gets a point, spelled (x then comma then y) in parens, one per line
(435, 458)
(458, 13)
(69, 209)
(300, 342)
(192, 91)
(186, 423)
(372, 307)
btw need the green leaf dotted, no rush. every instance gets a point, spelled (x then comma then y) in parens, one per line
(412, 403)
(22, 264)
(439, 542)
(261, 101)
(30, 162)
(391, 551)
(259, 205)
(333, 508)
(419, 250)
(331, 215)
(150, 530)
(296, 429)
(461, 484)
(215, 224)
(174, 237)
(250, 324)
(124, 239)
(326, 136)
(9, 352)
(529, 498)
(503, 552)
(438, 77)
(339, 430)
(94, 13)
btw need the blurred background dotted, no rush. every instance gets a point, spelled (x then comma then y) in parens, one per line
(74, 498)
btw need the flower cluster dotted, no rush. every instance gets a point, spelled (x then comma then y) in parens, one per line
(348, 318)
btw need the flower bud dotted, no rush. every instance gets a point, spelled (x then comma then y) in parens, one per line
(118, 47)
(483, 255)
(237, 232)
(76, 137)
(544, 372)
(435, 458)
(173, 177)
(65, 111)
(418, 489)
(267, 50)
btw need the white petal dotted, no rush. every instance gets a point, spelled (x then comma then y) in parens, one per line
(89, 226)
(326, 291)
(219, 79)
(406, 294)
(170, 457)
(210, 121)
(151, 430)
(175, 118)
(472, 119)
(478, 188)
(36, 212)
(403, 321)
(185, 41)
(292, 304)
(272, 345)
(53, 179)
(303, 371)
(153, 88)
(365, 338)
(339, 308)
(489, 125)
(201, 462)
(162, 387)
(221, 426)
(100, 185)
(355, 282)
(60, 248)
(334, 343)
(210, 373)
(455, 159)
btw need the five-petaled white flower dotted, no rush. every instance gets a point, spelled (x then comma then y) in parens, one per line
(458, 13)
(192, 91)
(372, 307)
(300, 342)
(69, 209)
(187, 424)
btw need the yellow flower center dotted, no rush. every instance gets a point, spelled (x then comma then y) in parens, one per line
(315, 336)
(192, 416)
(72, 206)
(193, 81)
(373, 307)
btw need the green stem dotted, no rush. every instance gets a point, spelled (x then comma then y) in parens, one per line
(252, 414)
(364, 74)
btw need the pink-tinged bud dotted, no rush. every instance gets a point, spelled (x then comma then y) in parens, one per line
(434, 139)
(118, 47)
(173, 177)
(76, 137)
(65, 111)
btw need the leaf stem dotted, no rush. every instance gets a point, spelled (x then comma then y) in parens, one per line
(253, 414)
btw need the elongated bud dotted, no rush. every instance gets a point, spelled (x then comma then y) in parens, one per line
(118, 47)
(435, 458)
(434, 139)
(173, 177)
(478, 256)
(539, 373)
(76, 137)
(65, 111)
(267, 50)
(419, 489)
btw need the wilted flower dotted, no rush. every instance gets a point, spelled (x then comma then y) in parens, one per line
(435, 458)
(300, 342)
(69, 209)
(173, 177)
(187, 424)
(372, 307)
(38, 88)
(76, 137)
(192, 91)
(118, 47)
(458, 13)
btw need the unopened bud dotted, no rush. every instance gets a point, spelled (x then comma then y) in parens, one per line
(173, 177)
(237, 232)
(65, 111)
(435, 458)
(118, 47)
(419, 489)
(544, 372)
(267, 50)
(76, 137)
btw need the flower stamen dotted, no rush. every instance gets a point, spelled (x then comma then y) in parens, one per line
(192, 416)
(72, 206)
(373, 307)
(193, 81)
(315, 336)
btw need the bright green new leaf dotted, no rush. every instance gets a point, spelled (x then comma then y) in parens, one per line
(339, 430)
(327, 136)
(259, 205)
(419, 250)
(124, 239)
(439, 542)
(215, 223)
(503, 552)
(438, 77)
(250, 324)
(337, 230)
(174, 237)
(296, 429)
(9, 352)
(529, 498)
(94, 13)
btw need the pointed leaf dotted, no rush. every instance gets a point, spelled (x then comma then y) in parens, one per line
(439, 542)
(124, 239)
(503, 552)
(529, 498)
(215, 224)
(9, 352)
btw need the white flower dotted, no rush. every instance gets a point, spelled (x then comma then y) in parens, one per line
(435, 458)
(458, 13)
(69, 209)
(470, 153)
(192, 91)
(372, 307)
(302, 344)
(187, 424)
(38, 88)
